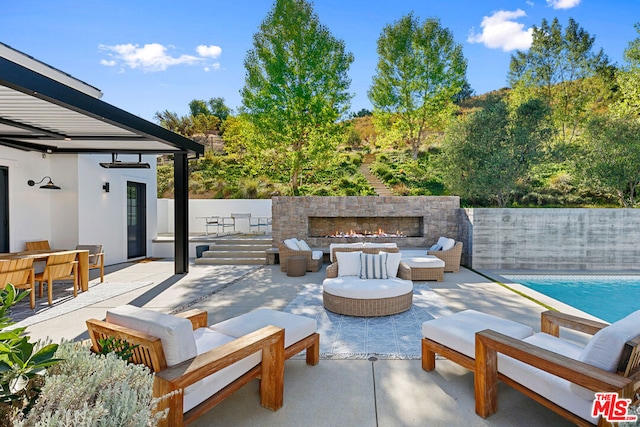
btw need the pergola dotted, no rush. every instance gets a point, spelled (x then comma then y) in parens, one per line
(46, 110)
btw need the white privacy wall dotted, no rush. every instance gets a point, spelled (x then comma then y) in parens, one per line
(81, 212)
(200, 208)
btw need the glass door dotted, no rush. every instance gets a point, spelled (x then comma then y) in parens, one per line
(136, 219)
(4, 209)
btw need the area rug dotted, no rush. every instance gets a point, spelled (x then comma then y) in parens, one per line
(386, 337)
(63, 301)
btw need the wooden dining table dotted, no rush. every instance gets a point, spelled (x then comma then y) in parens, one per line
(43, 254)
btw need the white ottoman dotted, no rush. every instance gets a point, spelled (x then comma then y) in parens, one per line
(427, 267)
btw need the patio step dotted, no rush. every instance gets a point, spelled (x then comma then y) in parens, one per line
(235, 251)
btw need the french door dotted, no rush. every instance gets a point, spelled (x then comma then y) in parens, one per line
(136, 219)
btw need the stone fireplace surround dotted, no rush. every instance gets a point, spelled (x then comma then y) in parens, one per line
(436, 215)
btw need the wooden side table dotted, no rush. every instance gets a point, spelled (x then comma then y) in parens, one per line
(296, 266)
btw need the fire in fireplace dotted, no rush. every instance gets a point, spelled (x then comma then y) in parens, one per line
(366, 227)
(366, 233)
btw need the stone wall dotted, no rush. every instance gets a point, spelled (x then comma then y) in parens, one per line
(553, 239)
(440, 216)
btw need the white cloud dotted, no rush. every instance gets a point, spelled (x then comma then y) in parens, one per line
(108, 63)
(209, 51)
(501, 30)
(150, 57)
(563, 4)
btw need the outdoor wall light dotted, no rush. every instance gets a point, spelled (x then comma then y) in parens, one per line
(49, 185)
(105, 187)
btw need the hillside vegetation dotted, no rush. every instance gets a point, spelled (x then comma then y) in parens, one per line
(565, 133)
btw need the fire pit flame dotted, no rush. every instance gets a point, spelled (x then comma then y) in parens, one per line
(366, 233)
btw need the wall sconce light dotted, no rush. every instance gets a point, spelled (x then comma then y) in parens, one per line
(49, 185)
(105, 187)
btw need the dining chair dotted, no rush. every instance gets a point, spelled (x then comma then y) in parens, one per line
(59, 266)
(38, 245)
(96, 257)
(18, 272)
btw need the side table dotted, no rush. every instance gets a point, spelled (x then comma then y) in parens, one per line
(296, 266)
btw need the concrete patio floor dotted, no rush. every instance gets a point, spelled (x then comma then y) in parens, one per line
(335, 392)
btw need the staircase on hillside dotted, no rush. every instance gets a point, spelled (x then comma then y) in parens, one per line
(379, 187)
(236, 250)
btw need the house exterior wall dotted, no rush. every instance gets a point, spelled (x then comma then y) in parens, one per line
(81, 212)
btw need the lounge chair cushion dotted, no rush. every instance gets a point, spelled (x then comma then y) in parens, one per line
(380, 245)
(458, 331)
(348, 263)
(316, 255)
(554, 388)
(373, 266)
(427, 261)
(604, 348)
(206, 340)
(393, 263)
(446, 243)
(175, 333)
(357, 288)
(303, 246)
(292, 244)
(295, 327)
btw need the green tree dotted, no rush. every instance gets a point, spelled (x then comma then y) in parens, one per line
(628, 80)
(489, 153)
(611, 155)
(557, 69)
(420, 70)
(296, 88)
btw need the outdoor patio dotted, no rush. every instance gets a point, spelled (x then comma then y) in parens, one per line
(354, 392)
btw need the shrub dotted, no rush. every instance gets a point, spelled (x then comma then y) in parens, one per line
(94, 390)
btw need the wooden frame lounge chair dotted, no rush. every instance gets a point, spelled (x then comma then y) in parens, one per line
(556, 373)
(39, 245)
(59, 266)
(205, 364)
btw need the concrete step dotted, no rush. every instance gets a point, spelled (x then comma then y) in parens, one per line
(239, 247)
(231, 261)
(241, 241)
(234, 254)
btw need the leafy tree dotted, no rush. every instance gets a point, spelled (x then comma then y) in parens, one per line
(420, 70)
(219, 109)
(362, 113)
(556, 68)
(611, 155)
(170, 120)
(489, 153)
(296, 88)
(628, 80)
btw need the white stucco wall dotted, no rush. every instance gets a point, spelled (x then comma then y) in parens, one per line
(199, 208)
(81, 212)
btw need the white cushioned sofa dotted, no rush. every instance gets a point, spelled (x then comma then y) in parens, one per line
(207, 363)
(367, 283)
(294, 247)
(553, 371)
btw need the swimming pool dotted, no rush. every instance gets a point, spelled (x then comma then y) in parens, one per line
(608, 297)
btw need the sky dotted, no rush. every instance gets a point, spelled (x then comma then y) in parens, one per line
(149, 56)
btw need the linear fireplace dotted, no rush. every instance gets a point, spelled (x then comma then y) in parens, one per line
(411, 222)
(365, 227)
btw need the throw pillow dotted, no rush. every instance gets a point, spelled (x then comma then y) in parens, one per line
(348, 263)
(303, 245)
(393, 263)
(435, 247)
(373, 266)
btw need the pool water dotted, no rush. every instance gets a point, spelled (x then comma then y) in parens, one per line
(608, 297)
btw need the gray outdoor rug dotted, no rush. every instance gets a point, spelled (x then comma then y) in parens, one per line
(387, 337)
